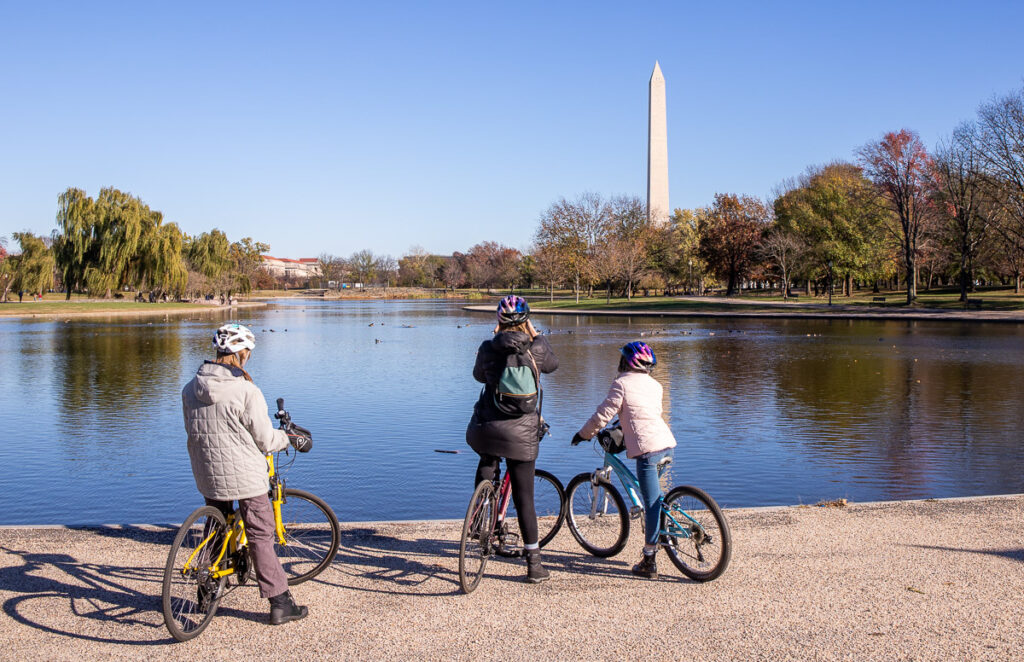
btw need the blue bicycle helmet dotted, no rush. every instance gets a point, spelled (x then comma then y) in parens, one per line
(513, 310)
(639, 355)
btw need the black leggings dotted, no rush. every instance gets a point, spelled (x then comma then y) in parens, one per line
(522, 490)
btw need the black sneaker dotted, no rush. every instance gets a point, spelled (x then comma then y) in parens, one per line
(535, 570)
(283, 609)
(647, 567)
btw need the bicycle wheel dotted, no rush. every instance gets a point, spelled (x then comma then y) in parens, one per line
(596, 515)
(695, 533)
(311, 536)
(190, 594)
(548, 501)
(477, 532)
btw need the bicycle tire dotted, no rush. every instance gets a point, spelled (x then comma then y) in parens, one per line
(689, 553)
(312, 535)
(185, 615)
(595, 527)
(549, 504)
(477, 531)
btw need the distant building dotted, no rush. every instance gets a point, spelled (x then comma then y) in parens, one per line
(282, 267)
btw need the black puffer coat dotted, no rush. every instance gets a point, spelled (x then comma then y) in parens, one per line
(490, 431)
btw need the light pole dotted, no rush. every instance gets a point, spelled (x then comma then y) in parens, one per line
(690, 281)
(830, 282)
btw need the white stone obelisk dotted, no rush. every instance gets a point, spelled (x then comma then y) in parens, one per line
(658, 209)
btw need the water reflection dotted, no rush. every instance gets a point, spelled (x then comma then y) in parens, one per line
(766, 412)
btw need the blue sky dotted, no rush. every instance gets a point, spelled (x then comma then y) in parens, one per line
(335, 127)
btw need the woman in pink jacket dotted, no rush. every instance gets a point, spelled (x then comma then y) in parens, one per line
(635, 397)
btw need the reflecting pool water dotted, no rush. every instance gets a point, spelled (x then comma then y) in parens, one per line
(766, 412)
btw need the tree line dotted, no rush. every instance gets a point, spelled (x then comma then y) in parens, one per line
(114, 243)
(896, 216)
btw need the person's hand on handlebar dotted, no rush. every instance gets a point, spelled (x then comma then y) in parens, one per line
(577, 439)
(300, 442)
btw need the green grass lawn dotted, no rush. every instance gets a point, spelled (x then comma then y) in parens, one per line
(79, 305)
(945, 299)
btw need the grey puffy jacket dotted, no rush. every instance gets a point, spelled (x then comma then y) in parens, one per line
(229, 431)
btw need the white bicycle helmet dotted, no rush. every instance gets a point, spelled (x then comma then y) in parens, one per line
(233, 338)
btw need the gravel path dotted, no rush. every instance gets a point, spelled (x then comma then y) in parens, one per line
(927, 580)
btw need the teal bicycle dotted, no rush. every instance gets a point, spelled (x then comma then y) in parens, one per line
(694, 531)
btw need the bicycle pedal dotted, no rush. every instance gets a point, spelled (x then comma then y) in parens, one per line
(635, 512)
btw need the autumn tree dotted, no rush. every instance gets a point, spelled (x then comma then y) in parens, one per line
(836, 213)
(899, 166)
(730, 235)
(573, 230)
(363, 265)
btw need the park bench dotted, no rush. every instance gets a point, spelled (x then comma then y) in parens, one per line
(877, 300)
(974, 303)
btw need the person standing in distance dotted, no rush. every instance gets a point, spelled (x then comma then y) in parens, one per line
(229, 434)
(506, 424)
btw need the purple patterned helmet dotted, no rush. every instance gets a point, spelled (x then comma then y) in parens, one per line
(639, 356)
(513, 310)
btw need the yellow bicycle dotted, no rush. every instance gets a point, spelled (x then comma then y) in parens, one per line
(210, 549)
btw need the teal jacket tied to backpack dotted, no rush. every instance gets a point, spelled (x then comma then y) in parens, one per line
(506, 417)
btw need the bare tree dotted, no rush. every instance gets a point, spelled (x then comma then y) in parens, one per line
(958, 186)
(782, 249)
(387, 268)
(332, 269)
(1000, 141)
(548, 267)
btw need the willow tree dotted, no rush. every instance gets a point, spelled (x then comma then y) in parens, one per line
(209, 255)
(159, 265)
(34, 267)
(98, 242)
(75, 244)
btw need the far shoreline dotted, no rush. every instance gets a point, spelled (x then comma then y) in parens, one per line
(765, 312)
(136, 310)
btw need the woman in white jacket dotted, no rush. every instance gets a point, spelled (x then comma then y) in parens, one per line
(229, 432)
(636, 397)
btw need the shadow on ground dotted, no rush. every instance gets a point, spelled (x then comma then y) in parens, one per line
(1012, 554)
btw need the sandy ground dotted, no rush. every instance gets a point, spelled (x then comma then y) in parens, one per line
(931, 580)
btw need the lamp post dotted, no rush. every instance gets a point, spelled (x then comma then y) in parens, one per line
(830, 282)
(689, 283)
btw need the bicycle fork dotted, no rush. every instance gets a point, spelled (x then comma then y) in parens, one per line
(599, 502)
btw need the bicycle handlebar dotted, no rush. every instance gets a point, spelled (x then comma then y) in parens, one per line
(291, 428)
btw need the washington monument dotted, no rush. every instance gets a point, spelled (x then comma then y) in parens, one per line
(657, 151)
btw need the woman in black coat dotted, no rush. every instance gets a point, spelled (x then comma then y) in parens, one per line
(496, 431)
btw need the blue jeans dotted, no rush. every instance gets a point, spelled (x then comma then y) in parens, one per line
(650, 492)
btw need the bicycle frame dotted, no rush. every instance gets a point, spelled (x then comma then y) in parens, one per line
(235, 537)
(631, 484)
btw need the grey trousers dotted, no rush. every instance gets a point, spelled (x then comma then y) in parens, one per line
(258, 515)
